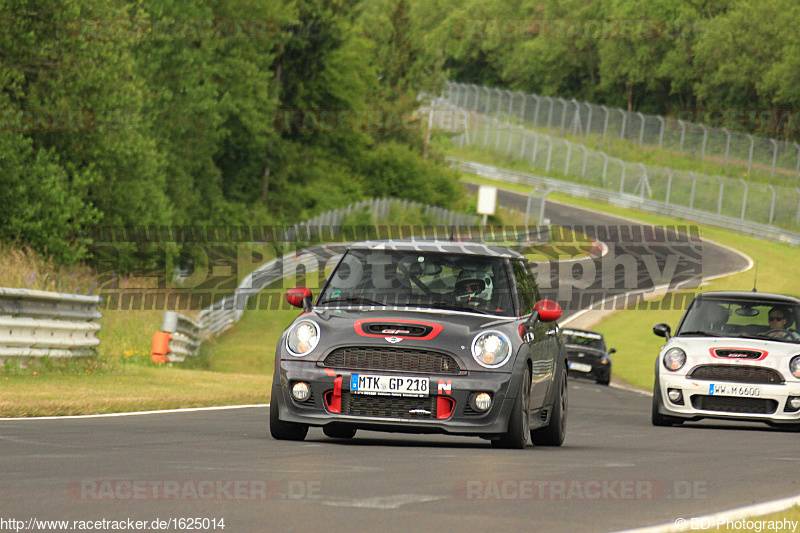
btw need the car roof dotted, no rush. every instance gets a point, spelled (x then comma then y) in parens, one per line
(748, 295)
(452, 247)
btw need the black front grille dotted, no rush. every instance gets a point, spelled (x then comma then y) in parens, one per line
(389, 406)
(732, 353)
(732, 404)
(737, 373)
(392, 358)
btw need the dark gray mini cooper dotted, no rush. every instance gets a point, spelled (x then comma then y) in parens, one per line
(424, 337)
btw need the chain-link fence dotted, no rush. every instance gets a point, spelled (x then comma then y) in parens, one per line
(500, 131)
(760, 155)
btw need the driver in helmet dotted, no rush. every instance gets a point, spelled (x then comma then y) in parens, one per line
(473, 289)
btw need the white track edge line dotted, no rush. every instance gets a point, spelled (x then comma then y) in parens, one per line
(137, 413)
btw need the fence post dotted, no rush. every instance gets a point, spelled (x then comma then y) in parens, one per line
(522, 142)
(744, 198)
(510, 105)
(694, 187)
(719, 201)
(727, 145)
(549, 112)
(661, 132)
(641, 130)
(683, 133)
(750, 157)
(536, 122)
(624, 121)
(772, 205)
(549, 153)
(622, 179)
(535, 148)
(797, 220)
(669, 186)
(499, 100)
(488, 98)
(589, 119)
(585, 158)
(524, 105)
(797, 171)
(774, 157)
(605, 123)
(476, 89)
(605, 167)
(705, 136)
(563, 113)
(569, 153)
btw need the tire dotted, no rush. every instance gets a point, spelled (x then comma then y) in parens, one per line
(516, 437)
(656, 417)
(605, 380)
(339, 432)
(554, 433)
(283, 430)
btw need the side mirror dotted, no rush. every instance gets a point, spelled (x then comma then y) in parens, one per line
(662, 330)
(299, 297)
(612, 350)
(549, 311)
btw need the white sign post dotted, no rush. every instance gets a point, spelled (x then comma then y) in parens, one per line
(487, 201)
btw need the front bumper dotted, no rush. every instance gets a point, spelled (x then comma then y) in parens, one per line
(730, 400)
(395, 413)
(588, 368)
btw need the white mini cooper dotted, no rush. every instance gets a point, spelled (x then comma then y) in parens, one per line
(735, 355)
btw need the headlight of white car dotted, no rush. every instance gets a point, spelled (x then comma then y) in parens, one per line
(491, 349)
(794, 366)
(674, 359)
(302, 338)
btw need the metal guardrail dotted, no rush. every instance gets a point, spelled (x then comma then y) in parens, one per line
(47, 324)
(754, 229)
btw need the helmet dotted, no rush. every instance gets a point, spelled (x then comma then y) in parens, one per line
(472, 286)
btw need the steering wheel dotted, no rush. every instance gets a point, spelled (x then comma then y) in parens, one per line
(781, 333)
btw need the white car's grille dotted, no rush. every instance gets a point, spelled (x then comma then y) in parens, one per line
(737, 374)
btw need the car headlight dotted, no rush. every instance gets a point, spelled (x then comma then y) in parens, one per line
(674, 359)
(302, 338)
(491, 349)
(794, 366)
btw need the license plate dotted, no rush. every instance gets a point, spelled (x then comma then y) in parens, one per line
(388, 385)
(580, 367)
(745, 391)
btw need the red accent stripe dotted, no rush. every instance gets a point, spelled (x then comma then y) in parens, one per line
(358, 326)
(336, 398)
(444, 407)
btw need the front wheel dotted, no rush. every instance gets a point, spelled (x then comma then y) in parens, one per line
(554, 433)
(519, 422)
(283, 430)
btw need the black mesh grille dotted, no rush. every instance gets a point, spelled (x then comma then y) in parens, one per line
(388, 406)
(732, 353)
(392, 358)
(738, 374)
(732, 404)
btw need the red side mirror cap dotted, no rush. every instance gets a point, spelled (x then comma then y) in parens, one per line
(549, 311)
(296, 295)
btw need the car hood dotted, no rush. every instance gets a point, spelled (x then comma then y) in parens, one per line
(575, 349)
(730, 350)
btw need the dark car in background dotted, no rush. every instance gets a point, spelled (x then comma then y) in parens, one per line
(424, 337)
(587, 355)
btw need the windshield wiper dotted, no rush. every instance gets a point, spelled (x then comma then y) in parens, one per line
(700, 333)
(351, 300)
(444, 305)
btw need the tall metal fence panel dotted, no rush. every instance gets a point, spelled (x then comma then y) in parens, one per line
(733, 198)
(779, 159)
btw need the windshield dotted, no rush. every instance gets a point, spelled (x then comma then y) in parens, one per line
(420, 279)
(585, 339)
(746, 318)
